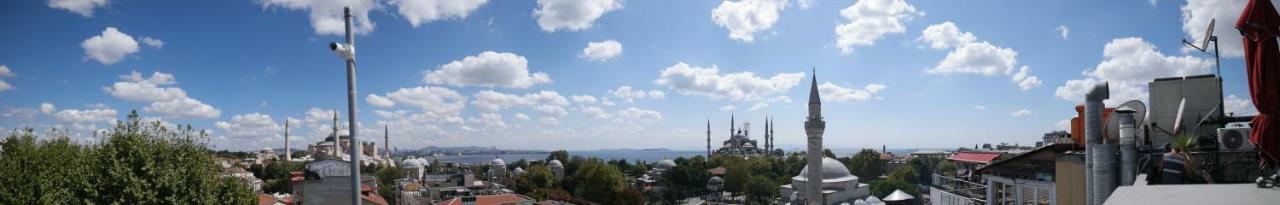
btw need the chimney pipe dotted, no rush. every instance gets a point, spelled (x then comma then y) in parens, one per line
(1128, 149)
(1095, 151)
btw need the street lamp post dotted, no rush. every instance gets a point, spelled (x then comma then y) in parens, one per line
(347, 51)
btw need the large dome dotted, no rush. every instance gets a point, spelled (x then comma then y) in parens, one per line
(832, 171)
(555, 164)
(498, 162)
(666, 164)
(411, 163)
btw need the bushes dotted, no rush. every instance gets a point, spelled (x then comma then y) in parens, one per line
(136, 163)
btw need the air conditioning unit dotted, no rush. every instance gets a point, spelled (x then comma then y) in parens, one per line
(1234, 139)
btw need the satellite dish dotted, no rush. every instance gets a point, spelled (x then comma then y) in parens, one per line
(1177, 120)
(1112, 126)
(1208, 36)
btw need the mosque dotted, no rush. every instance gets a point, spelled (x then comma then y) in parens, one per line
(740, 143)
(339, 146)
(831, 183)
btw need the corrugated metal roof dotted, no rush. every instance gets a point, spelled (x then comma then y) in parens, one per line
(975, 157)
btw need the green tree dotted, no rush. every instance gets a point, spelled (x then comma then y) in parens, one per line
(883, 188)
(598, 182)
(735, 177)
(136, 163)
(906, 173)
(561, 155)
(760, 190)
(866, 164)
(946, 167)
(538, 177)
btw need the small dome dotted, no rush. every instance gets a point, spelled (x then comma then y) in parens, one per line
(874, 200)
(715, 181)
(518, 170)
(832, 171)
(498, 162)
(411, 163)
(423, 161)
(555, 164)
(666, 164)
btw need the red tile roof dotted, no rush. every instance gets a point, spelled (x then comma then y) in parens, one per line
(974, 157)
(502, 199)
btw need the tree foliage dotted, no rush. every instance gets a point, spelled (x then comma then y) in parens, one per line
(883, 188)
(136, 163)
(866, 164)
(598, 182)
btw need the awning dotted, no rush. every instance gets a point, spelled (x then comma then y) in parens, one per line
(974, 157)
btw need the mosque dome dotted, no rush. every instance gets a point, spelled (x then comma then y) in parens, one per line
(666, 164)
(423, 161)
(832, 171)
(498, 162)
(555, 164)
(411, 163)
(518, 170)
(715, 181)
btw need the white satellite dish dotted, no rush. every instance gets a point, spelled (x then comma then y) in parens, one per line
(1177, 120)
(1112, 126)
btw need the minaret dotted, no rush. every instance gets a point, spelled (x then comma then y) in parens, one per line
(288, 155)
(731, 130)
(766, 133)
(708, 138)
(773, 144)
(814, 127)
(386, 140)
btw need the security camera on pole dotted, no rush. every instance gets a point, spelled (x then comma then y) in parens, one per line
(347, 51)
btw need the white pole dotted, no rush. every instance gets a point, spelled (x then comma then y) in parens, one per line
(351, 112)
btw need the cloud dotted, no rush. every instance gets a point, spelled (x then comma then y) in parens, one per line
(436, 102)
(82, 7)
(601, 51)
(488, 69)
(379, 101)
(1020, 113)
(522, 116)
(5, 72)
(629, 94)
(746, 17)
(153, 43)
(183, 108)
(166, 100)
(974, 57)
(870, 20)
(327, 17)
(836, 93)
(422, 11)
(250, 127)
(1064, 124)
(1196, 15)
(1240, 106)
(945, 35)
(740, 86)
(583, 99)
(47, 108)
(490, 120)
(572, 15)
(89, 115)
(548, 102)
(979, 107)
(633, 114)
(596, 112)
(1128, 65)
(550, 120)
(109, 47)
(1063, 31)
(728, 108)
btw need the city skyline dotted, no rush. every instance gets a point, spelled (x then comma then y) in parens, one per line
(601, 74)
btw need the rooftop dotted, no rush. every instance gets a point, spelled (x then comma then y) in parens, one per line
(1194, 194)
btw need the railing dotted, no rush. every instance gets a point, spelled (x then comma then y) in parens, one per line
(953, 191)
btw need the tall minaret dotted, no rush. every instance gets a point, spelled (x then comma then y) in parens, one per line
(766, 133)
(773, 144)
(708, 138)
(814, 127)
(288, 154)
(386, 140)
(731, 133)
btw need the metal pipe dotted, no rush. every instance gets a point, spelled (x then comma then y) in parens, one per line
(1093, 139)
(1128, 149)
(351, 112)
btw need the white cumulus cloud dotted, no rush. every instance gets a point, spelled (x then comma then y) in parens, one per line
(1240, 106)
(376, 100)
(633, 114)
(870, 20)
(250, 127)
(166, 99)
(89, 115)
(601, 51)
(572, 15)
(82, 7)
(488, 69)
(740, 86)
(183, 108)
(631, 94)
(1063, 31)
(548, 102)
(836, 93)
(422, 11)
(744, 18)
(326, 15)
(1197, 14)
(971, 56)
(1128, 65)
(1020, 113)
(945, 35)
(5, 72)
(152, 42)
(47, 108)
(109, 47)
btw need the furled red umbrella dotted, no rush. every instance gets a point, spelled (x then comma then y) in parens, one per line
(1259, 23)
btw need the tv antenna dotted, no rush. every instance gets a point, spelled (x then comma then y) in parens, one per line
(1204, 45)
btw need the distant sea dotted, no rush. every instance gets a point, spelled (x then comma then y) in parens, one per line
(631, 156)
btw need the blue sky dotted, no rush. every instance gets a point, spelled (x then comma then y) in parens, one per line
(516, 74)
